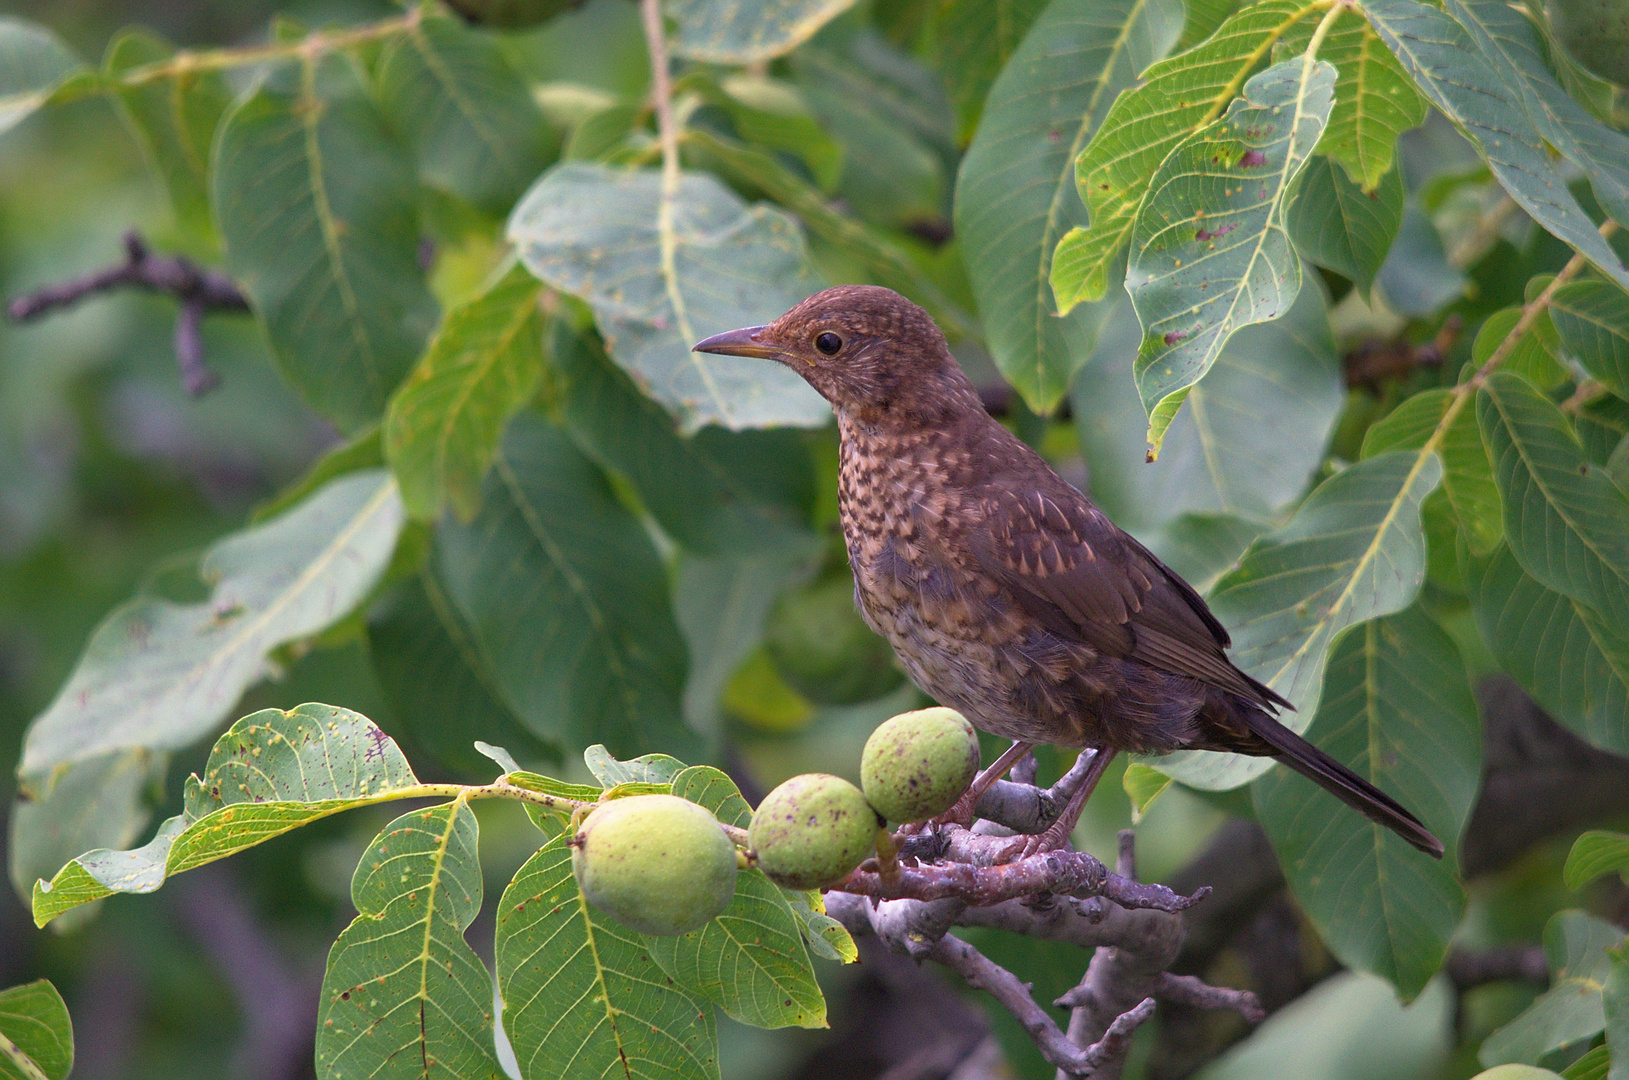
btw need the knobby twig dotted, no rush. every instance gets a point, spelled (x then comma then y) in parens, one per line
(198, 290)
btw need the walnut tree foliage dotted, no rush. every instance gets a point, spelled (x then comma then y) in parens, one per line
(1188, 237)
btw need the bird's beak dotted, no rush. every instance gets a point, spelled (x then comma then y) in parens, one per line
(742, 342)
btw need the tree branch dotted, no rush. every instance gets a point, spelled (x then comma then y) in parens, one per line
(198, 290)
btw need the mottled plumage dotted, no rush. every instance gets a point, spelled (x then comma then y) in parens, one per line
(1003, 590)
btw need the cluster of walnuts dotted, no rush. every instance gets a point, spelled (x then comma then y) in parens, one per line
(663, 865)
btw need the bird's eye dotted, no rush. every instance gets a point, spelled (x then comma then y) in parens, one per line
(829, 343)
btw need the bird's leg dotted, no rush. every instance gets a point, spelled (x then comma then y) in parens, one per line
(1057, 833)
(961, 813)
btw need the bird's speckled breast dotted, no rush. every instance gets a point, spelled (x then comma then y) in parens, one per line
(905, 503)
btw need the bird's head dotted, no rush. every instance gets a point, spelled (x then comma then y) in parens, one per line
(866, 349)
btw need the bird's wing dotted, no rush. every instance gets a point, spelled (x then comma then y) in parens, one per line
(1086, 580)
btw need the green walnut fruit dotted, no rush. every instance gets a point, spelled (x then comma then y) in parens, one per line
(1596, 32)
(656, 863)
(917, 764)
(824, 650)
(812, 830)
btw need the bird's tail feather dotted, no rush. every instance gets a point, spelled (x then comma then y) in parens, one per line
(1344, 784)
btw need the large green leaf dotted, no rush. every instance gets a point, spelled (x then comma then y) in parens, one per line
(728, 32)
(1179, 95)
(714, 492)
(1467, 474)
(1397, 708)
(1354, 551)
(1015, 191)
(174, 118)
(444, 423)
(1209, 253)
(271, 772)
(1570, 1010)
(1592, 320)
(1572, 660)
(1511, 47)
(466, 111)
(567, 598)
(1444, 61)
(432, 672)
(1595, 853)
(158, 674)
(663, 272)
(972, 42)
(1333, 223)
(403, 987)
(33, 62)
(316, 201)
(582, 996)
(1375, 102)
(1228, 451)
(1615, 1006)
(35, 1028)
(750, 961)
(1567, 523)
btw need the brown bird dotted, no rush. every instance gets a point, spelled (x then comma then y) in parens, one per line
(1003, 590)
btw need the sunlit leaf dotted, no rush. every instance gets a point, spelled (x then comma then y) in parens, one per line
(726, 32)
(1467, 474)
(660, 281)
(271, 772)
(444, 423)
(402, 984)
(1354, 551)
(1015, 191)
(37, 1029)
(582, 995)
(1209, 253)
(1397, 709)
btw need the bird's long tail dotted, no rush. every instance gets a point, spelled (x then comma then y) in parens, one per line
(1343, 783)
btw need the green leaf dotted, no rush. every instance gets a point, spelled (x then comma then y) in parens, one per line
(659, 281)
(1441, 57)
(716, 491)
(722, 604)
(1594, 1065)
(1200, 548)
(36, 1033)
(1397, 708)
(1143, 784)
(1570, 1010)
(1516, 1072)
(1209, 253)
(825, 936)
(440, 691)
(1511, 47)
(273, 771)
(1574, 662)
(1375, 102)
(1615, 1004)
(727, 32)
(402, 985)
(1354, 551)
(1336, 225)
(33, 62)
(972, 41)
(581, 994)
(1592, 320)
(1179, 96)
(158, 674)
(316, 202)
(1015, 190)
(1467, 474)
(1567, 524)
(1417, 279)
(444, 423)
(466, 111)
(645, 769)
(1228, 452)
(567, 598)
(1595, 853)
(1529, 358)
(174, 118)
(770, 113)
(750, 960)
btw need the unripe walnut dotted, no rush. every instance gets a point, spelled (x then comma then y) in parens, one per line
(917, 764)
(812, 830)
(657, 863)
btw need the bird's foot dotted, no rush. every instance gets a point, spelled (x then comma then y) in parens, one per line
(1053, 837)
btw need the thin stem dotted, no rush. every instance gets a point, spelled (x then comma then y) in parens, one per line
(311, 46)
